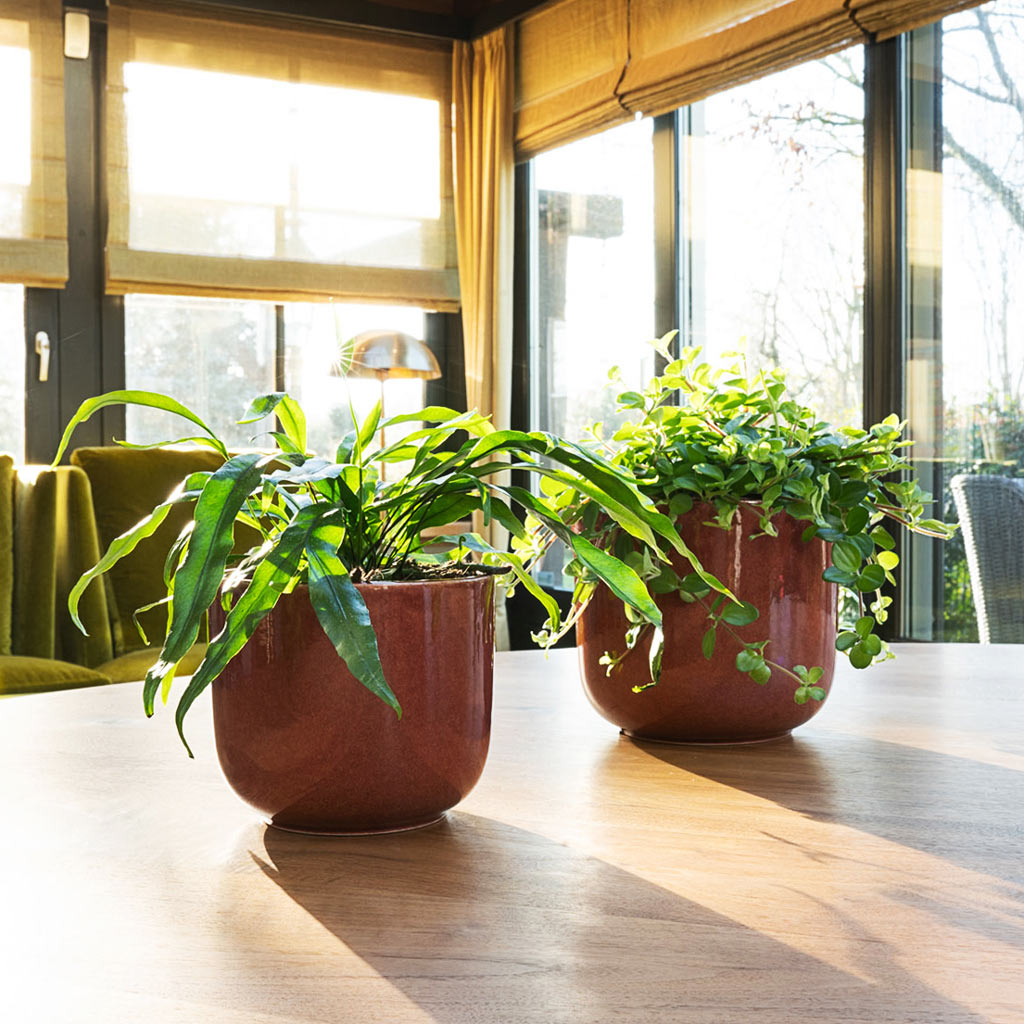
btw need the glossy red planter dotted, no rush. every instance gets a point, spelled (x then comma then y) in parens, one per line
(312, 750)
(700, 701)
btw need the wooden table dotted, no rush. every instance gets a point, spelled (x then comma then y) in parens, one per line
(870, 869)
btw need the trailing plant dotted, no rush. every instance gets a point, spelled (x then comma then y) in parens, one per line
(714, 435)
(331, 523)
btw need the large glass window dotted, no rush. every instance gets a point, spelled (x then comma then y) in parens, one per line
(275, 180)
(769, 261)
(213, 355)
(772, 187)
(966, 354)
(251, 161)
(594, 273)
(15, 131)
(312, 336)
(12, 376)
(216, 355)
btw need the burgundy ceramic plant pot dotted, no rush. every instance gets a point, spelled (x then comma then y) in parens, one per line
(700, 701)
(312, 750)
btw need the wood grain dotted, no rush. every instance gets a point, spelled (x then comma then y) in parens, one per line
(871, 869)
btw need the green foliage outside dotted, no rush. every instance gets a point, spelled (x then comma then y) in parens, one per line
(991, 441)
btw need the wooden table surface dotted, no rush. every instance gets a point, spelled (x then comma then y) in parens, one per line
(871, 869)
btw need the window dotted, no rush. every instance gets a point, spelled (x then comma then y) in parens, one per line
(16, 132)
(965, 377)
(769, 261)
(12, 379)
(772, 188)
(768, 203)
(276, 162)
(594, 267)
(211, 354)
(33, 195)
(215, 355)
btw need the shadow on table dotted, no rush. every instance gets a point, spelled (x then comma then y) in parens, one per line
(476, 920)
(956, 808)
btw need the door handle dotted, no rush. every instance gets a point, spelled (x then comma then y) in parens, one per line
(43, 351)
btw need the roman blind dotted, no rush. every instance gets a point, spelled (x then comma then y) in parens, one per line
(266, 158)
(33, 193)
(584, 65)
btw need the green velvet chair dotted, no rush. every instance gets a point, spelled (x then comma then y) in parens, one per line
(47, 537)
(126, 485)
(54, 525)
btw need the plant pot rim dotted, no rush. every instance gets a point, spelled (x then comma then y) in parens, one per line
(460, 581)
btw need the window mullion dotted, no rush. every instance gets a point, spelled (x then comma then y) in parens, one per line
(885, 327)
(667, 256)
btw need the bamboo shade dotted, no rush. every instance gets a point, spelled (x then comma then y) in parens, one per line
(887, 18)
(33, 193)
(268, 159)
(585, 65)
(569, 60)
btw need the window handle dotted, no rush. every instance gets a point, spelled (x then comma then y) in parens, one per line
(43, 351)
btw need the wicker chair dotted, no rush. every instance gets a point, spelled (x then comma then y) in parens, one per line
(991, 510)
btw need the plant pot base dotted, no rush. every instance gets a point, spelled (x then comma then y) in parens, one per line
(342, 834)
(638, 738)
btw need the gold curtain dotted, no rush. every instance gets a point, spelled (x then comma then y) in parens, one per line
(585, 65)
(33, 192)
(484, 222)
(295, 161)
(484, 180)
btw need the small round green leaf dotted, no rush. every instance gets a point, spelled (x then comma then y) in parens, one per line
(888, 560)
(741, 614)
(761, 674)
(846, 556)
(747, 661)
(846, 640)
(860, 657)
(871, 578)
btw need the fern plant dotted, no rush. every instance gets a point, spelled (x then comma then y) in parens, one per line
(334, 522)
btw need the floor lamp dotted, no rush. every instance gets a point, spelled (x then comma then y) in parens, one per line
(386, 355)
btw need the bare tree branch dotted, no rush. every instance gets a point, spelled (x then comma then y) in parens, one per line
(1012, 92)
(988, 177)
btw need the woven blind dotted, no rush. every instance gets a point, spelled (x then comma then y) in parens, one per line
(585, 65)
(569, 60)
(33, 193)
(268, 159)
(884, 19)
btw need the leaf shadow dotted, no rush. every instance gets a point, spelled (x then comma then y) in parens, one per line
(475, 920)
(965, 811)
